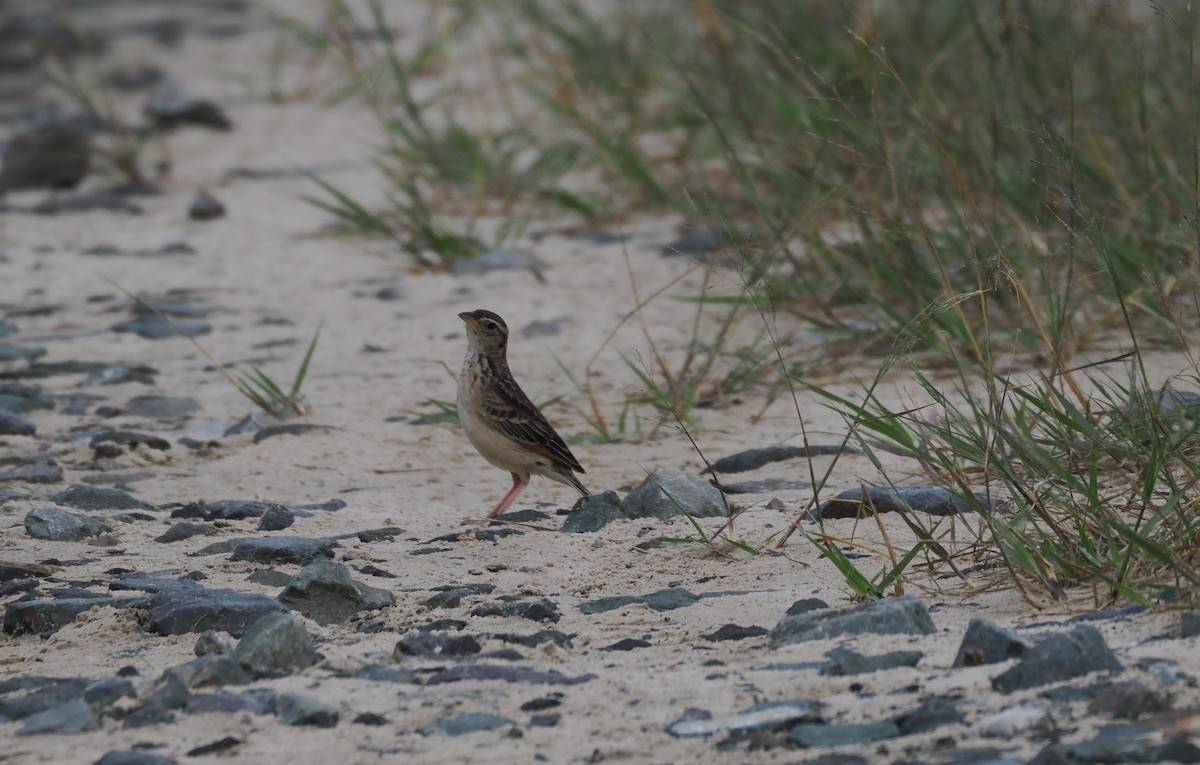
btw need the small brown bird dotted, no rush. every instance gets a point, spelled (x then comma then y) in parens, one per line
(499, 419)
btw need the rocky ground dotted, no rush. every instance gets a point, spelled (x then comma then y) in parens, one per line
(180, 581)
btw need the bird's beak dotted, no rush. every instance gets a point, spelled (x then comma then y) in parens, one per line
(469, 318)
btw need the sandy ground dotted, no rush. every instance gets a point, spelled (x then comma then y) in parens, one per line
(270, 282)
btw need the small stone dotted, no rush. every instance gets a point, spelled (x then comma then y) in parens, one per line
(988, 643)
(545, 721)
(506, 673)
(134, 757)
(734, 632)
(593, 513)
(60, 526)
(843, 662)
(33, 473)
(129, 439)
(224, 510)
(205, 207)
(326, 593)
(83, 497)
(666, 493)
(540, 610)
(662, 600)
(933, 500)
(295, 709)
(471, 722)
(1115, 742)
(892, 616)
(434, 644)
(1128, 700)
(276, 518)
(298, 550)
(155, 327)
(181, 609)
(170, 109)
(47, 616)
(810, 735)
(276, 644)
(73, 717)
(211, 643)
(627, 644)
(805, 605)
(1057, 658)
(12, 424)
(153, 406)
(932, 714)
(370, 718)
(767, 716)
(184, 530)
(1189, 624)
(49, 156)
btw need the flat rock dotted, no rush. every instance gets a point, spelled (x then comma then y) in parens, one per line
(288, 429)
(326, 593)
(73, 717)
(130, 439)
(154, 406)
(276, 644)
(892, 616)
(987, 643)
(295, 709)
(56, 525)
(13, 424)
(809, 735)
(662, 600)
(178, 610)
(664, 493)
(134, 757)
(223, 510)
(48, 156)
(47, 616)
(752, 459)
(539, 610)
(84, 497)
(469, 722)
(768, 716)
(437, 644)
(507, 673)
(844, 661)
(155, 327)
(185, 530)
(170, 110)
(1128, 700)
(298, 550)
(734, 632)
(934, 500)
(39, 472)
(277, 518)
(44, 693)
(594, 512)
(931, 714)
(1115, 742)
(1059, 657)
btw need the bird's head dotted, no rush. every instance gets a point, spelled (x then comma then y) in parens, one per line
(486, 332)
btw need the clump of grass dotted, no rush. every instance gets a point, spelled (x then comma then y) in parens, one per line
(268, 396)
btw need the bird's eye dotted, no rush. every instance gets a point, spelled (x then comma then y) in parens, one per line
(489, 325)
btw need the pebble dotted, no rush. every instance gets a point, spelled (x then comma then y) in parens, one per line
(933, 500)
(987, 643)
(326, 593)
(1059, 657)
(39, 472)
(134, 757)
(188, 607)
(13, 424)
(276, 644)
(295, 709)
(662, 600)
(60, 526)
(469, 722)
(539, 610)
(75, 716)
(205, 207)
(154, 327)
(507, 673)
(298, 550)
(734, 632)
(433, 644)
(843, 661)
(810, 735)
(154, 406)
(45, 616)
(84, 497)
(593, 513)
(49, 156)
(224, 510)
(768, 715)
(169, 110)
(903, 615)
(211, 643)
(664, 492)
(278, 518)
(184, 530)
(129, 439)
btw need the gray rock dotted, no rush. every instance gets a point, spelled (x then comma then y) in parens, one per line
(734, 632)
(134, 757)
(539, 610)
(44, 693)
(178, 610)
(295, 709)
(811, 736)
(205, 206)
(1115, 742)
(276, 644)
(664, 492)
(1057, 658)
(437, 644)
(326, 593)
(593, 513)
(299, 550)
(33, 473)
(12, 424)
(804, 605)
(469, 722)
(154, 406)
(662, 600)
(259, 701)
(155, 327)
(73, 717)
(1128, 700)
(83, 497)
(211, 643)
(988, 643)
(21, 399)
(102, 694)
(276, 518)
(843, 661)
(224, 510)
(932, 714)
(129, 439)
(1189, 624)
(507, 673)
(893, 616)
(60, 526)
(933, 500)
(767, 716)
(44, 616)
(752, 459)
(169, 110)
(49, 156)
(184, 530)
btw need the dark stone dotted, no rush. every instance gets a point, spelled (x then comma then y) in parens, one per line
(541, 703)
(328, 506)
(116, 374)
(215, 747)
(752, 459)
(211, 643)
(768, 716)
(1128, 700)
(469, 722)
(276, 644)
(295, 709)
(45, 693)
(662, 600)
(106, 692)
(326, 593)
(933, 500)
(276, 518)
(254, 701)
(533, 641)
(627, 644)
(45, 617)
(48, 156)
(33, 473)
(205, 207)
(437, 644)
(269, 577)
(370, 718)
(988, 643)
(664, 492)
(1115, 742)
(1057, 658)
(288, 429)
(451, 597)
(540, 610)
(805, 605)
(734, 632)
(12, 424)
(60, 526)
(129, 439)
(385, 534)
(179, 610)
(843, 661)
(593, 513)
(812, 736)
(893, 616)
(155, 327)
(225, 510)
(544, 721)
(72, 717)
(84, 497)
(298, 550)
(184, 530)
(171, 110)
(507, 673)
(933, 713)
(1189, 624)
(134, 757)
(154, 406)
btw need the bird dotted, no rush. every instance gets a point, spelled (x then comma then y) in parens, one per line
(500, 421)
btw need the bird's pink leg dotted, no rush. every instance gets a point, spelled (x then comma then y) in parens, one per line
(518, 486)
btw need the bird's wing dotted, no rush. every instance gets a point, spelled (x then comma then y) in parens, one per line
(511, 411)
